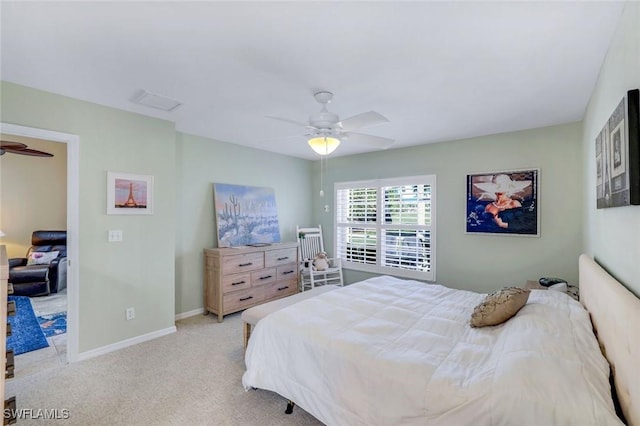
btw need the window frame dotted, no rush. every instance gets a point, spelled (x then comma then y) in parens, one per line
(380, 225)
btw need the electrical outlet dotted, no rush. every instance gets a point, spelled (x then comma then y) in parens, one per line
(130, 313)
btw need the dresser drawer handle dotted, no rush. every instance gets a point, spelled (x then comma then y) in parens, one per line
(287, 272)
(266, 277)
(242, 299)
(238, 283)
(10, 365)
(11, 308)
(283, 258)
(283, 288)
(10, 410)
(246, 264)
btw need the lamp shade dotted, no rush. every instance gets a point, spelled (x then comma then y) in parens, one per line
(1, 233)
(324, 145)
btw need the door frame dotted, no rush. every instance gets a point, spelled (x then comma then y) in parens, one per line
(73, 223)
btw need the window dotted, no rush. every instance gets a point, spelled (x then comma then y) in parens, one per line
(400, 240)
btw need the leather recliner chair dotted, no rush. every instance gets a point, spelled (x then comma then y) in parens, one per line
(44, 278)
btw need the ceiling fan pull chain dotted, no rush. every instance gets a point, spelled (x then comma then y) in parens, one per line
(322, 160)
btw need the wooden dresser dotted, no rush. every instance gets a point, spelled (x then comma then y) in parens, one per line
(4, 276)
(239, 278)
(9, 404)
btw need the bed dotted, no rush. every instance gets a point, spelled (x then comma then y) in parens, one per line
(387, 351)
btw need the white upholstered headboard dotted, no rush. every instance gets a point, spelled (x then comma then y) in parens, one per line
(615, 314)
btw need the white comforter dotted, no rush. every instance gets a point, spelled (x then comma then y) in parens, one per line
(387, 351)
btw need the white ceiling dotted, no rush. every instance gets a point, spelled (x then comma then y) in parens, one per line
(437, 70)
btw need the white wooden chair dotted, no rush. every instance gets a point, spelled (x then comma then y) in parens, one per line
(310, 243)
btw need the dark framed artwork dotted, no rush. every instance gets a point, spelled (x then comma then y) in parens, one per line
(245, 215)
(618, 156)
(503, 203)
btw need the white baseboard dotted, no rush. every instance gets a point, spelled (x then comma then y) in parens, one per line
(125, 343)
(193, 313)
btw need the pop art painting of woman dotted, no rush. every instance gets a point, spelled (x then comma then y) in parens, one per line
(503, 203)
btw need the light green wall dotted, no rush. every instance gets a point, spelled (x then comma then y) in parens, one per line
(139, 271)
(612, 235)
(484, 262)
(200, 163)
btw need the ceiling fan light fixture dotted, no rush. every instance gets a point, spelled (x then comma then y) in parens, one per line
(324, 145)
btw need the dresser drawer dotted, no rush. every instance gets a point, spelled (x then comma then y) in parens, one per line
(242, 299)
(287, 272)
(280, 257)
(265, 276)
(281, 289)
(236, 282)
(242, 262)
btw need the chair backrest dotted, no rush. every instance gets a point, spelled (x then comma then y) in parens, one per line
(49, 241)
(53, 238)
(309, 242)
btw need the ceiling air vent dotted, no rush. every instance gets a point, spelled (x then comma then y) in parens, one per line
(156, 101)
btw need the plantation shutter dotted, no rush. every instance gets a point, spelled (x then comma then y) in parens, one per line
(387, 226)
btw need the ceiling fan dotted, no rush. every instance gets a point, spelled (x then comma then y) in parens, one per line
(325, 130)
(20, 148)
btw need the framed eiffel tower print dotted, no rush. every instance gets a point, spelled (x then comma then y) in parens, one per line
(129, 194)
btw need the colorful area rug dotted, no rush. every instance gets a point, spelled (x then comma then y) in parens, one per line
(53, 324)
(26, 334)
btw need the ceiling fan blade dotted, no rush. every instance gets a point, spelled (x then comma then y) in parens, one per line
(366, 119)
(26, 151)
(20, 148)
(375, 141)
(14, 145)
(286, 120)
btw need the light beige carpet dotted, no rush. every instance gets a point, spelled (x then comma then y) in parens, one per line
(51, 304)
(192, 377)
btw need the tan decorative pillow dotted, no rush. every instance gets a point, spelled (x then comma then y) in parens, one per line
(499, 306)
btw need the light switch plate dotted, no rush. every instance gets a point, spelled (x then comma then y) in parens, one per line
(115, 235)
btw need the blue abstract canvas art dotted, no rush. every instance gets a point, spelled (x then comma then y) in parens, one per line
(245, 215)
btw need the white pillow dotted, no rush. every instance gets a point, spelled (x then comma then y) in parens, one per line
(42, 257)
(559, 287)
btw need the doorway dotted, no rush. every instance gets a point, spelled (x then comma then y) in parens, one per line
(72, 223)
